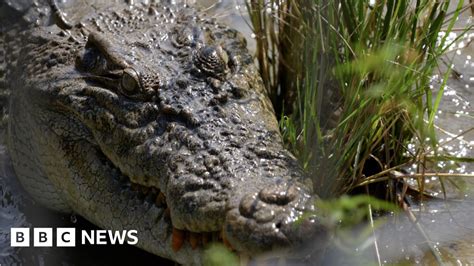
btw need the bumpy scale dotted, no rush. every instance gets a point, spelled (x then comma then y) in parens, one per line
(154, 118)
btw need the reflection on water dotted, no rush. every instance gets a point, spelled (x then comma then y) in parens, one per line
(445, 225)
(448, 225)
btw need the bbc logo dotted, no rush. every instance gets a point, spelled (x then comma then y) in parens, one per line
(43, 237)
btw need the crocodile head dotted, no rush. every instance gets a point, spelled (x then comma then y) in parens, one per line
(157, 120)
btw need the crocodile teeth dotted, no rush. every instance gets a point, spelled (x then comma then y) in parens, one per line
(225, 241)
(194, 240)
(180, 237)
(177, 239)
(160, 200)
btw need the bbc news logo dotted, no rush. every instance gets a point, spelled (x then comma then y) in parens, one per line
(66, 237)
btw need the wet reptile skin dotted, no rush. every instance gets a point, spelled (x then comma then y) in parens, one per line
(153, 117)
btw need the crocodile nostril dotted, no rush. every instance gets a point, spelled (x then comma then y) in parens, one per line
(278, 225)
(280, 194)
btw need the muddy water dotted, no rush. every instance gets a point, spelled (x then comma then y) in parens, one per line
(447, 226)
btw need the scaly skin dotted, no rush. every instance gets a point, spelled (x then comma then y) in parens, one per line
(154, 119)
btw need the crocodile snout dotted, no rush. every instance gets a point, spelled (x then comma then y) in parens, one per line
(279, 216)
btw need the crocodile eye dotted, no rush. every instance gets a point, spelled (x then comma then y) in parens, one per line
(130, 81)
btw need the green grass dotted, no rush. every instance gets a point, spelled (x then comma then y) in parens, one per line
(350, 81)
(217, 254)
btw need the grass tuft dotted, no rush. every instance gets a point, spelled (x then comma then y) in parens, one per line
(351, 82)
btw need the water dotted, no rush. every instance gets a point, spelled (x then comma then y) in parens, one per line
(448, 224)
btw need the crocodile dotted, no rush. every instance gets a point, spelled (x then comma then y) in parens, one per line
(153, 117)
